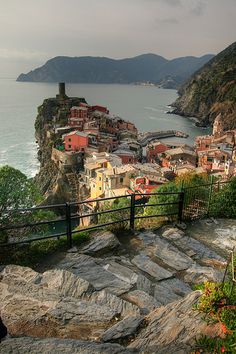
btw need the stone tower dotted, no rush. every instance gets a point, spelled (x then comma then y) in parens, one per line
(62, 91)
(218, 126)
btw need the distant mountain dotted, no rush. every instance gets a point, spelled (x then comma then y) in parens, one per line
(143, 68)
(211, 90)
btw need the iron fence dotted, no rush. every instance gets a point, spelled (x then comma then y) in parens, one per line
(187, 204)
(73, 216)
(198, 199)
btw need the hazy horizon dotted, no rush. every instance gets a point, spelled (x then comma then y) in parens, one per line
(34, 32)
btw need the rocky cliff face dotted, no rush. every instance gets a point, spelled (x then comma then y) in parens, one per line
(107, 298)
(211, 90)
(51, 181)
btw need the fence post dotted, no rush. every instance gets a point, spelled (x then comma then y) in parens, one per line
(132, 211)
(68, 225)
(210, 195)
(181, 206)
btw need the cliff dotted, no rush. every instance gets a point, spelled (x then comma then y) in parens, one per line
(211, 90)
(52, 182)
(143, 68)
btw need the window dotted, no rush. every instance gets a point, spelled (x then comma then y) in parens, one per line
(100, 178)
(121, 180)
(69, 139)
(100, 188)
(69, 146)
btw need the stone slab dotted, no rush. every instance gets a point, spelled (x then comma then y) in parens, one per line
(197, 274)
(122, 307)
(121, 272)
(86, 268)
(171, 256)
(170, 290)
(144, 263)
(100, 243)
(144, 301)
(123, 329)
(59, 346)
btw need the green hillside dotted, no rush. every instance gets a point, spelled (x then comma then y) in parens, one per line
(143, 68)
(211, 90)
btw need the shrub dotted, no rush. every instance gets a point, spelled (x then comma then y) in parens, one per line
(116, 215)
(163, 198)
(223, 203)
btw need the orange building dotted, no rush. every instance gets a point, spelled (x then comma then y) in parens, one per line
(76, 141)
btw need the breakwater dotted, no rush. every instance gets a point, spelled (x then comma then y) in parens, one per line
(147, 137)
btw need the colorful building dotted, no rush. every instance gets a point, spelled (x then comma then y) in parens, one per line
(154, 150)
(76, 141)
(127, 156)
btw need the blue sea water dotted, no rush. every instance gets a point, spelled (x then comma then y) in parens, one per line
(146, 106)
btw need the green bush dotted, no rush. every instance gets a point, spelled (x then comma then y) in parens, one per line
(218, 301)
(223, 203)
(34, 253)
(163, 198)
(115, 215)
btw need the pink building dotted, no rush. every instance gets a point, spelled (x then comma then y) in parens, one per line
(76, 141)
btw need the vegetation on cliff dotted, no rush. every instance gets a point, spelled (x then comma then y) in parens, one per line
(147, 67)
(218, 302)
(51, 182)
(211, 90)
(18, 192)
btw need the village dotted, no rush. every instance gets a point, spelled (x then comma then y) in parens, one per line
(103, 155)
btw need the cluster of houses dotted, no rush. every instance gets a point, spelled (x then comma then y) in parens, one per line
(107, 176)
(216, 153)
(92, 129)
(213, 154)
(105, 152)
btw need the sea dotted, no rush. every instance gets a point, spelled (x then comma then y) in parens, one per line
(146, 106)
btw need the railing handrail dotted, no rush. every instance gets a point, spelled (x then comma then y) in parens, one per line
(69, 216)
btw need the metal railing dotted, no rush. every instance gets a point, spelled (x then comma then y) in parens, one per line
(71, 213)
(188, 204)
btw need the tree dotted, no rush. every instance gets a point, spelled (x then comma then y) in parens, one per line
(16, 190)
(164, 198)
(191, 179)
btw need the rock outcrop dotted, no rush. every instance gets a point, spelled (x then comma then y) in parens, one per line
(59, 346)
(134, 301)
(211, 90)
(52, 182)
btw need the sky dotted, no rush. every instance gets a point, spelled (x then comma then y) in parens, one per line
(33, 31)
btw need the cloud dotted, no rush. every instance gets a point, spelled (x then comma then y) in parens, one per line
(23, 54)
(172, 2)
(169, 2)
(198, 9)
(168, 21)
